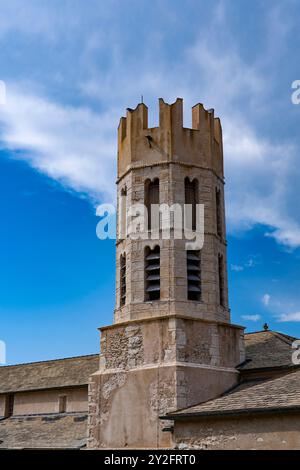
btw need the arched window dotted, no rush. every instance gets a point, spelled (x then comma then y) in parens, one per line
(193, 261)
(122, 212)
(152, 273)
(221, 280)
(123, 279)
(151, 198)
(219, 213)
(191, 189)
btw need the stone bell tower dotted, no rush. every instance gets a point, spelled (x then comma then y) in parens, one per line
(172, 344)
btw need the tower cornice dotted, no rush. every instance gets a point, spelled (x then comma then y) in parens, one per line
(167, 163)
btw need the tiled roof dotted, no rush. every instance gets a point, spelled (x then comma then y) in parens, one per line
(68, 372)
(267, 349)
(276, 394)
(52, 431)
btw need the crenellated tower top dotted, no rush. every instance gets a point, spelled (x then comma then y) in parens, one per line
(140, 145)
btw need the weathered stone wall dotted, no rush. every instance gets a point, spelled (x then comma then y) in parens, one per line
(200, 145)
(173, 252)
(149, 368)
(161, 340)
(128, 406)
(263, 432)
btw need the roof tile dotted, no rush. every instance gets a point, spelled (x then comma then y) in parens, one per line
(251, 396)
(68, 372)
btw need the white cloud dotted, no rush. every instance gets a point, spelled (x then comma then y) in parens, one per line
(236, 268)
(253, 198)
(266, 299)
(289, 317)
(251, 263)
(78, 146)
(259, 170)
(72, 145)
(251, 317)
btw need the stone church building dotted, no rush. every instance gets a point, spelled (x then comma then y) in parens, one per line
(173, 371)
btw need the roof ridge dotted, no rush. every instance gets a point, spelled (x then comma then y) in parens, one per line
(283, 337)
(280, 335)
(255, 332)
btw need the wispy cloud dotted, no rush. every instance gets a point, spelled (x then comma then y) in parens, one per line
(289, 317)
(77, 145)
(237, 268)
(73, 145)
(251, 262)
(266, 299)
(251, 317)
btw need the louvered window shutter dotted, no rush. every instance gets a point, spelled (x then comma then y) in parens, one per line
(152, 273)
(123, 279)
(193, 275)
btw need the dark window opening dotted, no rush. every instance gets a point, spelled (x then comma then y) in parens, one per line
(221, 280)
(62, 404)
(123, 215)
(193, 260)
(9, 405)
(219, 213)
(151, 198)
(123, 279)
(152, 273)
(191, 198)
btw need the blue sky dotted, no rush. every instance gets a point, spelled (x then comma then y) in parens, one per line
(71, 68)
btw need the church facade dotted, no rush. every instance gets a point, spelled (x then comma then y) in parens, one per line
(173, 371)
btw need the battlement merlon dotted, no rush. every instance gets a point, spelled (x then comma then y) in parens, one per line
(170, 141)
